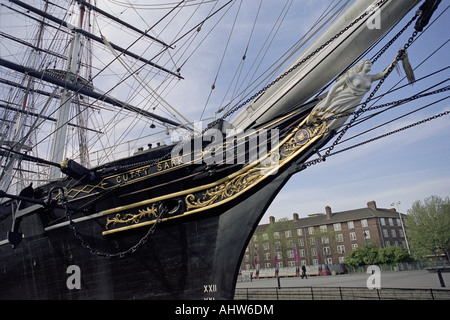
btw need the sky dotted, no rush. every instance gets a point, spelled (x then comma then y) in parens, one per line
(399, 169)
(402, 168)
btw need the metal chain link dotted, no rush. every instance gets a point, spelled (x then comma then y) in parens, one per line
(360, 111)
(162, 211)
(393, 132)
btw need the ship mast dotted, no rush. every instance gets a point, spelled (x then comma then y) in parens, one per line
(58, 147)
(18, 142)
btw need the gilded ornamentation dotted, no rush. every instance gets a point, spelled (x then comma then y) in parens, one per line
(232, 187)
(132, 218)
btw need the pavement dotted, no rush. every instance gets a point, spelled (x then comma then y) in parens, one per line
(416, 279)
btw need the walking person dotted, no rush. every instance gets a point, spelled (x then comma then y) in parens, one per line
(304, 272)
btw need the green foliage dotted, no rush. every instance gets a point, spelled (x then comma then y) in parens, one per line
(371, 254)
(428, 226)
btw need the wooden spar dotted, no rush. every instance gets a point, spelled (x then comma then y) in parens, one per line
(299, 85)
(92, 36)
(83, 90)
(110, 16)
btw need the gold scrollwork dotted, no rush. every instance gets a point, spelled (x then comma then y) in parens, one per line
(299, 138)
(132, 218)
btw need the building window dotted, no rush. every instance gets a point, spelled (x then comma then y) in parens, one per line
(399, 223)
(303, 262)
(312, 241)
(287, 234)
(341, 259)
(337, 226)
(276, 235)
(340, 237)
(387, 243)
(401, 234)
(315, 262)
(301, 252)
(301, 242)
(382, 221)
(354, 246)
(299, 232)
(314, 252)
(323, 229)
(290, 254)
(267, 256)
(290, 244)
(341, 249)
(353, 236)
(291, 263)
(311, 230)
(255, 238)
(350, 225)
(325, 240)
(266, 246)
(329, 261)
(366, 234)
(393, 233)
(364, 223)
(385, 233)
(265, 236)
(268, 265)
(326, 250)
(391, 222)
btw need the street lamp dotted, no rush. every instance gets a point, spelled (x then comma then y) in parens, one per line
(401, 222)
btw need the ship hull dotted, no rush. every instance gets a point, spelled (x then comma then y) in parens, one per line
(196, 258)
(193, 253)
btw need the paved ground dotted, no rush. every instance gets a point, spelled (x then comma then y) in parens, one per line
(389, 279)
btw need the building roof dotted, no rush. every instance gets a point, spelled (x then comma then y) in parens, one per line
(371, 211)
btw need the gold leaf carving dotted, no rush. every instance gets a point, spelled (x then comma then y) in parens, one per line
(132, 218)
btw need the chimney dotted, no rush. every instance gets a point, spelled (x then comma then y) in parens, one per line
(328, 212)
(272, 219)
(295, 215)
(372, 205)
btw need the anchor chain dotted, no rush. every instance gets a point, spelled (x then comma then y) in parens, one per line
(362, 109)
(107, 255)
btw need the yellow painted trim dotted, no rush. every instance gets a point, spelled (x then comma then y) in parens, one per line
(208, 186)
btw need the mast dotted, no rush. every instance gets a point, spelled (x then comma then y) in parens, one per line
(19, 138)
(58, 147)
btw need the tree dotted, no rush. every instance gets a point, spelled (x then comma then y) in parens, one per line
(428, 225)
(365, 255)
(371, 254)
(393, 255)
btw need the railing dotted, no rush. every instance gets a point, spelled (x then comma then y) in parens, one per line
(340, 293)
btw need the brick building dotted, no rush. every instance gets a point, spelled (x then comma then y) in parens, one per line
(323, 238)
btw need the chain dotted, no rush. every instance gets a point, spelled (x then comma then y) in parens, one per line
(162, 211)
(362, 109)
(393, 132)
(309, 56)
(388, 104)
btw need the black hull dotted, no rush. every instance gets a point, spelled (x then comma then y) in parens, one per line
(190, 259)
(194, 256)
